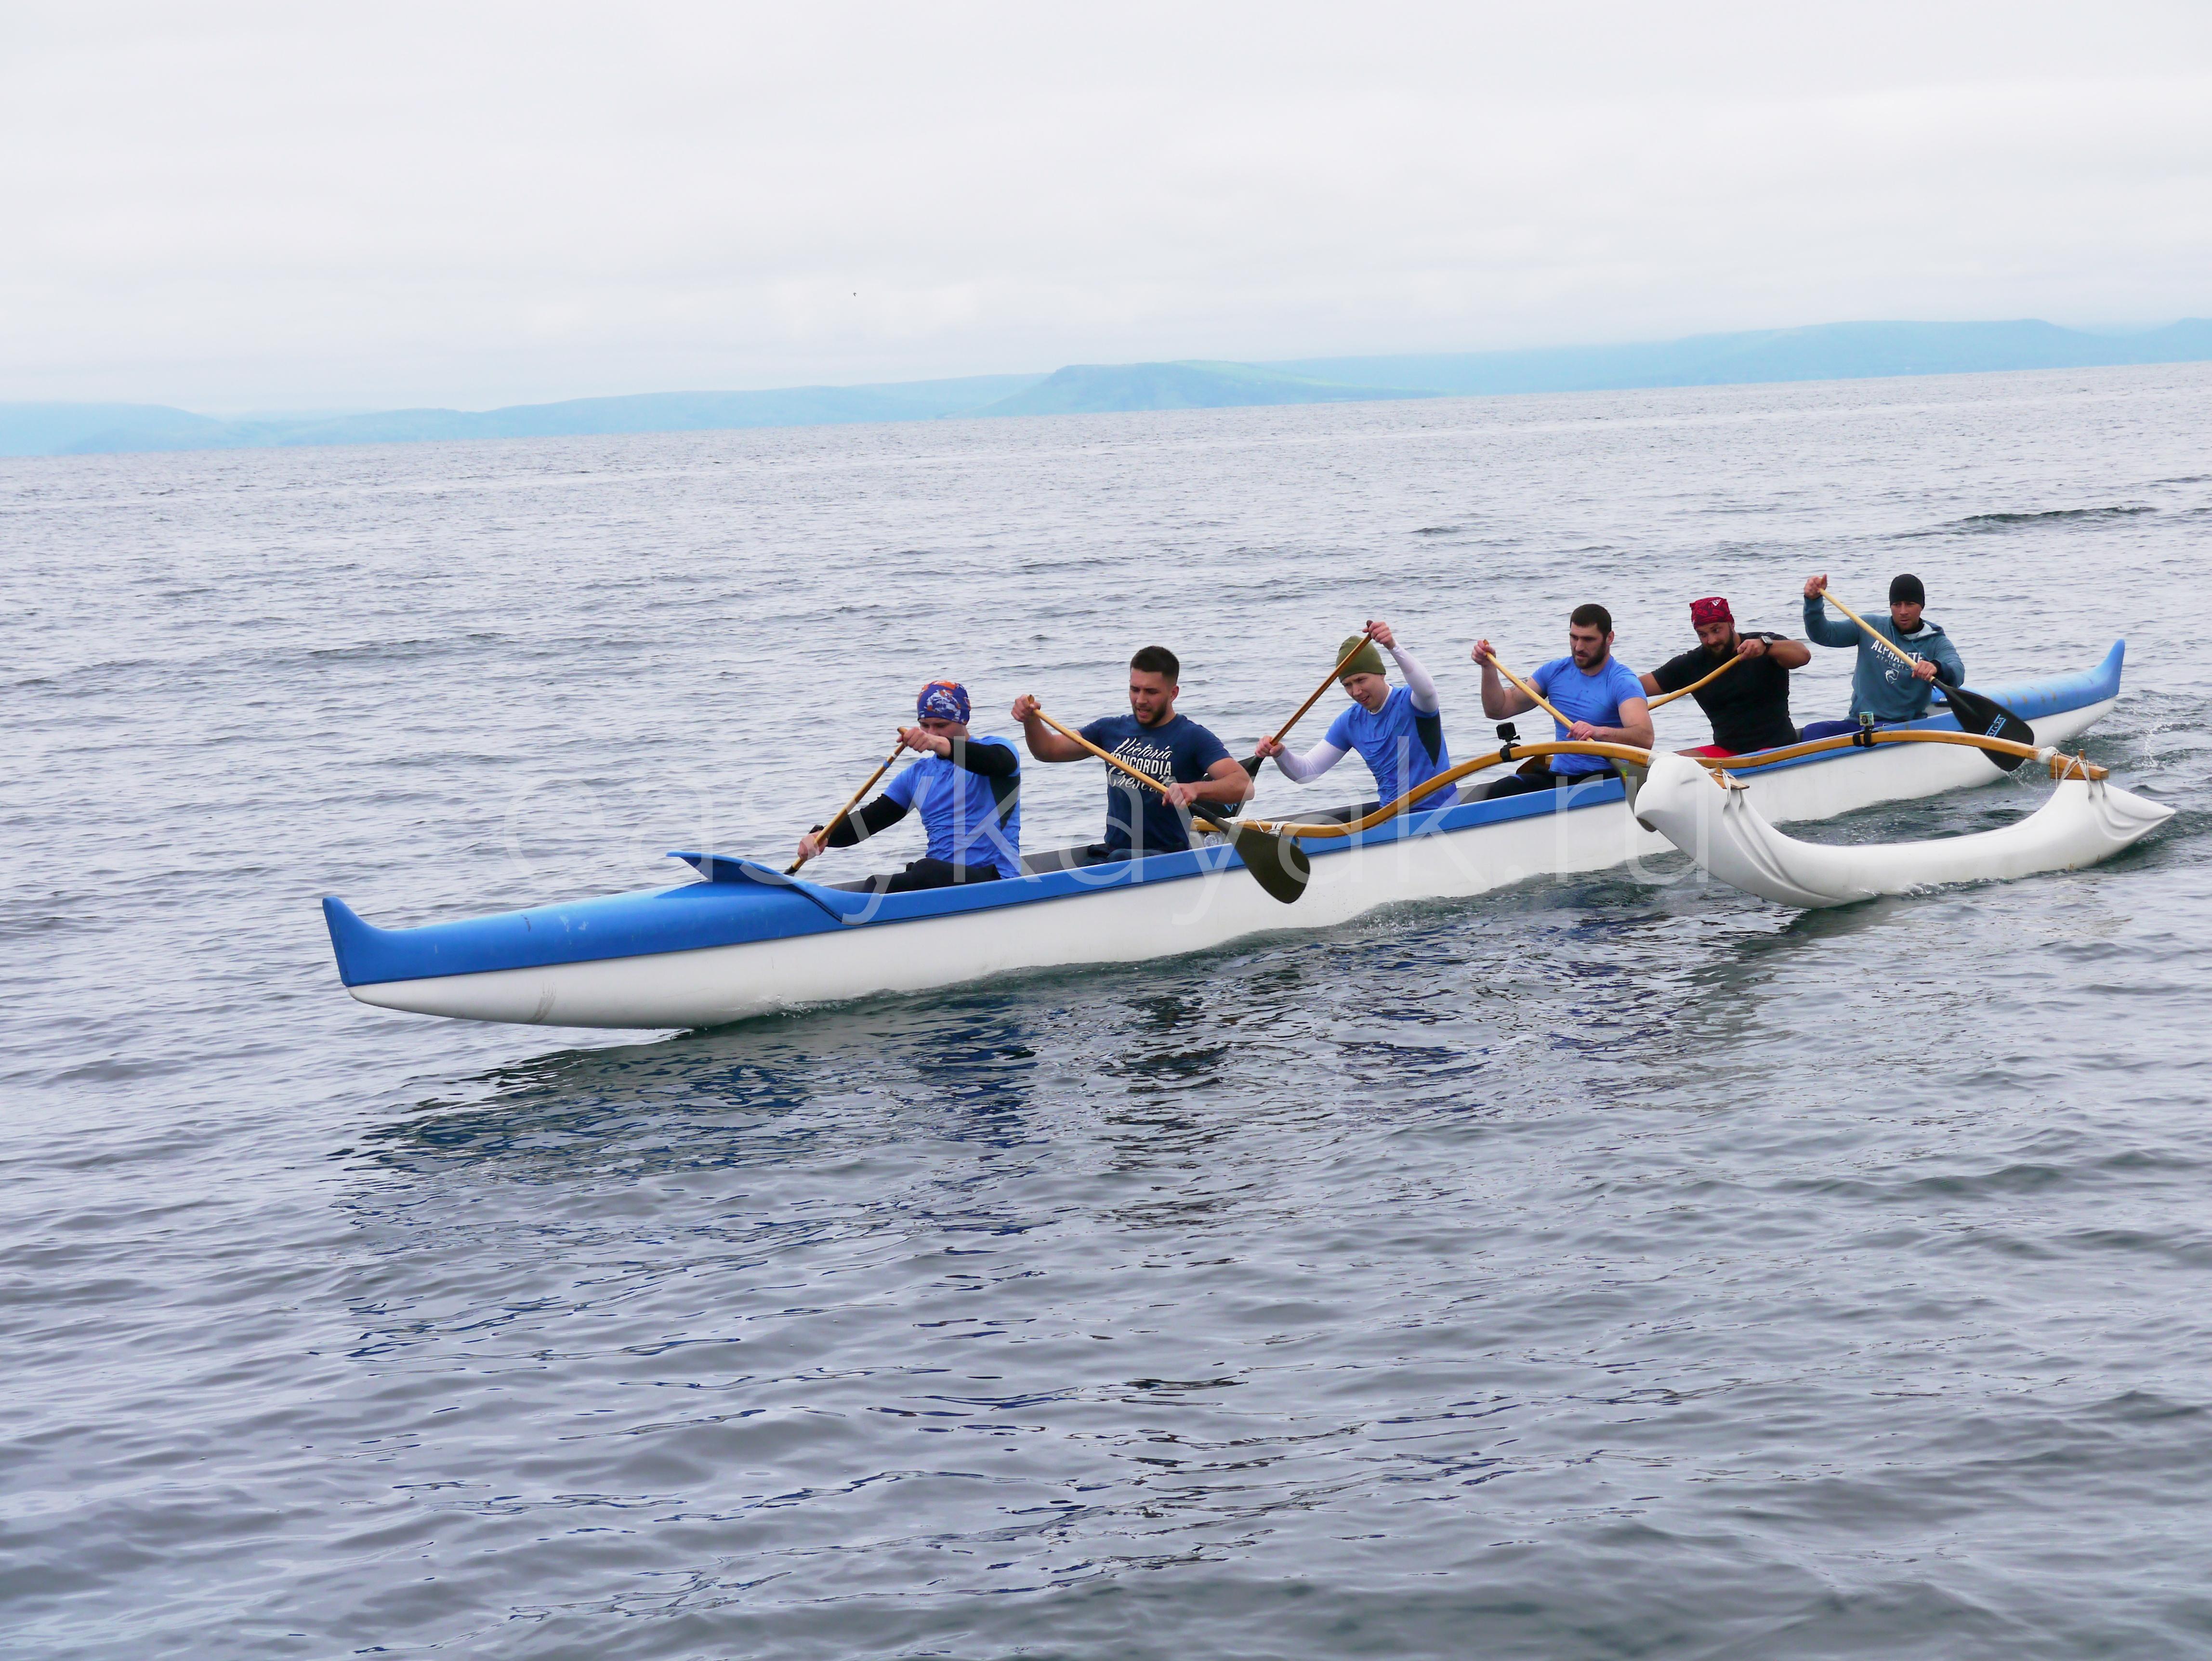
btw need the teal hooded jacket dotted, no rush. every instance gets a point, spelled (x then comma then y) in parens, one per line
(1880, 685)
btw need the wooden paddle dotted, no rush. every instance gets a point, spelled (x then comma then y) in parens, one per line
(791, 870)
(1976, 714)
(1542, 703)
(1626, 755)
(1703, 680)
(2062, 766)
(1277, 864)
(1251, 763)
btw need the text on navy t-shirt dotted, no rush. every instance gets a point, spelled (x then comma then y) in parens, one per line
(1177, 751)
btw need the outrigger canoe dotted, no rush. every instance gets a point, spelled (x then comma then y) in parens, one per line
(746, 940)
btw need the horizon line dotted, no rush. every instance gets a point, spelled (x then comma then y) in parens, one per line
(1856, 349)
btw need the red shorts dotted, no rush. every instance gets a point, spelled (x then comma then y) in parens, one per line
(1713, 750)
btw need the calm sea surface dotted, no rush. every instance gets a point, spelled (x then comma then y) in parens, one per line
(1603, 1268)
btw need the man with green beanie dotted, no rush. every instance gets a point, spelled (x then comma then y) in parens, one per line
(1399, 733)
(1881, 685)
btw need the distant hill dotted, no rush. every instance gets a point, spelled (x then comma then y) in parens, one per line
(1100, 389)
(1827, 351)
(90, 428)
(44, 429)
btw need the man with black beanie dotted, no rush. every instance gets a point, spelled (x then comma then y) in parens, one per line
(1882, 686)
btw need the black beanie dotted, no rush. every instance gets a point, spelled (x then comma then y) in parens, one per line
(1906, 590)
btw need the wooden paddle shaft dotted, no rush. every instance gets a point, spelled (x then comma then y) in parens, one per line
(792, 869)
(1278, 866)
(1115, 761)
(1627, 754)
(1759, 759)
(2062, 766)
(1893, 648)
(1334, 676)
(1704, 680)
(1542, 702)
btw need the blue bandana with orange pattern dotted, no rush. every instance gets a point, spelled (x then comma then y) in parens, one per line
(942, 700)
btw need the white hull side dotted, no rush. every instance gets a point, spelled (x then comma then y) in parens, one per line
(1114, 925)
(1131, 924)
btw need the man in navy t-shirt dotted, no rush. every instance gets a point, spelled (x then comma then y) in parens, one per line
(1155, 740)
(967, 790)
(1603, 699)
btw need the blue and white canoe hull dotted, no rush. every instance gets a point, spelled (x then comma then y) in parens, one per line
(750, 941)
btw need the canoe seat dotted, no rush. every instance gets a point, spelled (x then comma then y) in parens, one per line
(1058, 859)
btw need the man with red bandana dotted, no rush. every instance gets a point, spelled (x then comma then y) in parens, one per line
(1750, 706)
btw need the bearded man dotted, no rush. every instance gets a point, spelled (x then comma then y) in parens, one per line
(1750, 706)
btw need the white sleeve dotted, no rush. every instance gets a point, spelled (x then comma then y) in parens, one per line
(1417, 682)
(1300, 769)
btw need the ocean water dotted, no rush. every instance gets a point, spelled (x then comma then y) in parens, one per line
(1608, 1268)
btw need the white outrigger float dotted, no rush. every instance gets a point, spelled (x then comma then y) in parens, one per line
(1711, 819)
(748, 940)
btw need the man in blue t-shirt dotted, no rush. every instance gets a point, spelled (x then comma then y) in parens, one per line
(1155, 740)
(968, 791)
(1399, 733)
(1603, 699)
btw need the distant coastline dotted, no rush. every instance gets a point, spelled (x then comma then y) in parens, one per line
(1831, 351)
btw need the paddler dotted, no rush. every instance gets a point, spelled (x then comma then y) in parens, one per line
(1398, 731)
(1748, 706)
(1601, 696)
(1194, 764)
(967, 790)
(1882, 687)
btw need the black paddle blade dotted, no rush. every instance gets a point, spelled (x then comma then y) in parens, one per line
(1278, 864)
(1990, 719)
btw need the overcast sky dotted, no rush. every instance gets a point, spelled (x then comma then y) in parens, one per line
(293, 206)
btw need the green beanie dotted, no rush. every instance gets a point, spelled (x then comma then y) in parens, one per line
(1368, 662)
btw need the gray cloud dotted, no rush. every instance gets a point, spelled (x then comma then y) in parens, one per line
(267, 206)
